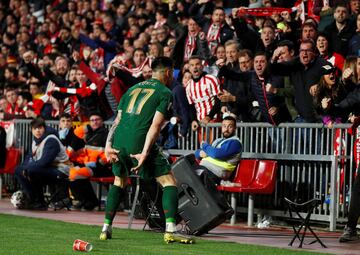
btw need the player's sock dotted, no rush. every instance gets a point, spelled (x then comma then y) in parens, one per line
(106, 227)
(112, 203)
(170, 205)
(170, 227)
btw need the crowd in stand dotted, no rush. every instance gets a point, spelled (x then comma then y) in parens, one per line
(79, 57)
(298, 63)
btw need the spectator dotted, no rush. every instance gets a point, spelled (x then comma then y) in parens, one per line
(354, 10)
(322, 45)
(202, 91)
(68, 138)
(2, 146)
(86, 93)
(304, 72)
(286, 48)
(352, 81)
(216, 29)
(340, 31)
(46, 164)
(104, 50)
(236, 97)
(188, 42)
(3, 105)
(354, 44)
(246, 60)
(94, 136)
(269, 104)
(221, 157)
(308, 32)
(330, 92)
(12, 110)
(90, 161)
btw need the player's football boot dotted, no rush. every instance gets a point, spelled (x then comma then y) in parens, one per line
(105, 235)
(177, 237)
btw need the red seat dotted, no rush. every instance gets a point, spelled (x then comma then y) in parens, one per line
(13, 156)
(265, 179)
(109, 179)
(253, 177)
(244, 176)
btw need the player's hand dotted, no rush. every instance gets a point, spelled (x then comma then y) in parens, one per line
(141, 159)
(111, 154)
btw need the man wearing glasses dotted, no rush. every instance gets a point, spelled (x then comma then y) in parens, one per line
(90, 161)
(305, 72)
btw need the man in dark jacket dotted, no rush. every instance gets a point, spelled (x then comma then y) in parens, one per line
(272, 107)
(90, 161)
(340, 31)
(216, 29)
(236, 97)
(305, 72)
(47, 163)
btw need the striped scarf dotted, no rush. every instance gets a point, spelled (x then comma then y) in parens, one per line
(119, 63)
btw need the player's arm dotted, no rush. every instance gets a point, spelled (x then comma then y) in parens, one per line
(111, 153)
(151, 137)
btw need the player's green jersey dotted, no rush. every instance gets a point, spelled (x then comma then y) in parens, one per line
(138, 106)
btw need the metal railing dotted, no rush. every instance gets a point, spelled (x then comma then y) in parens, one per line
(310, 162)
(311, 159)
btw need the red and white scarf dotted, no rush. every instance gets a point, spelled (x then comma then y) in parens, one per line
(213, 37)
(190, 46)
(97, 60)
(119, 63)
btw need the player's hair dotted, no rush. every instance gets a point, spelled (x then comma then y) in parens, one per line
(161, 63)
(37, 122)
(65, 115)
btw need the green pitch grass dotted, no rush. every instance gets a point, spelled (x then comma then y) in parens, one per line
(22, 235)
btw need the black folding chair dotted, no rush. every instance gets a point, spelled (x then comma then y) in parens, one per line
(309, 207)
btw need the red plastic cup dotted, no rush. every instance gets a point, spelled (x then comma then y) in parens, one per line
(80, 245)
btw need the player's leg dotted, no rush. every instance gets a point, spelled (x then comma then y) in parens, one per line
(116, 193)
(170, 205)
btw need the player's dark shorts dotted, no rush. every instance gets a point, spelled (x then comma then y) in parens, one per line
(154, 166)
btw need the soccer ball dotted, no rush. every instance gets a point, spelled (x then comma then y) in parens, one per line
(18, 199)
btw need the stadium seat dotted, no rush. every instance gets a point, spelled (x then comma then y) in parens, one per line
(265, 179)
(244, 176)
(253, 177)
(13, 156)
